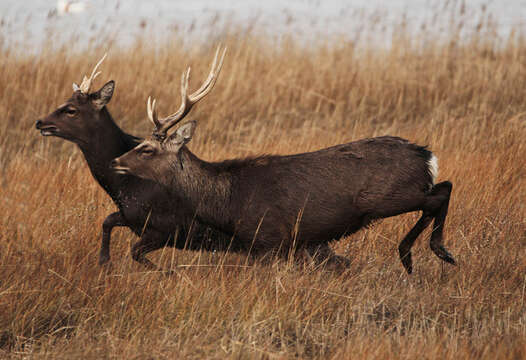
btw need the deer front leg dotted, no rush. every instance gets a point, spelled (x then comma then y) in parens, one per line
(112, 220)
(150, 241)
(323, 254)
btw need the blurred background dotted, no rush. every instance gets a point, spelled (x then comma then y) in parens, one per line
(38, 22)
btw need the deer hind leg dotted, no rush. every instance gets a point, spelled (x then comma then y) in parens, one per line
(405, 246)
(440, 193)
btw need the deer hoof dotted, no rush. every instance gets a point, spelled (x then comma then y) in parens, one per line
(103, 259)
(405, 257)
(444, 255)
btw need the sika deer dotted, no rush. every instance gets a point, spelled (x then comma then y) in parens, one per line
(144, 206)
(283, 203)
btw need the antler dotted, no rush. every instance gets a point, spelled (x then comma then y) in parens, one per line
(152, 113)
(86, 82)
(187, 101)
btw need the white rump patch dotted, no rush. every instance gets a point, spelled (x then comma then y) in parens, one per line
(433, 167)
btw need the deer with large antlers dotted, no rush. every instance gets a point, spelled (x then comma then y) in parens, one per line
(278, 204)
(144, 206)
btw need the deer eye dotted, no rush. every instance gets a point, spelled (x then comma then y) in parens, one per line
(71, 111)
(147, 151)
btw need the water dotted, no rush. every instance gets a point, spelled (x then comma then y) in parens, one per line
(37, 22)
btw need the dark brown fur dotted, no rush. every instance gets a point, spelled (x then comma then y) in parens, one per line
(144, 206)
(280, 203)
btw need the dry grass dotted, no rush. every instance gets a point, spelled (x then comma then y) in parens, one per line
(465, 101)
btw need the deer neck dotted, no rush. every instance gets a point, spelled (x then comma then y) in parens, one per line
(205, 189)
(108, 143)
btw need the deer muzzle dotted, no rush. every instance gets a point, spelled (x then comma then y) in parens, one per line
(46, 129)
(118, 168)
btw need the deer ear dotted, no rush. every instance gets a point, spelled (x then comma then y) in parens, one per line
(182, 136)
(103, 96)
(186, 131)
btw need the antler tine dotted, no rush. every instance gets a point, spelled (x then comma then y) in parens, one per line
(86, 82)
(169, 121)
(96, 73)
(188, 101)
(152, 113)
(212, 77)
(185, 78)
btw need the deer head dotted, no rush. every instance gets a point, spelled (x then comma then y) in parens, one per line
(78, 118)
(152, 157)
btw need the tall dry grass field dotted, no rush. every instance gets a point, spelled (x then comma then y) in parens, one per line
(467, 101)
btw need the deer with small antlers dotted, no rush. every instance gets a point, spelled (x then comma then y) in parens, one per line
(144, 206)
(279, 204)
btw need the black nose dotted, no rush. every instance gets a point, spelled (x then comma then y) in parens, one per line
(114, 163)
(38, 124)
